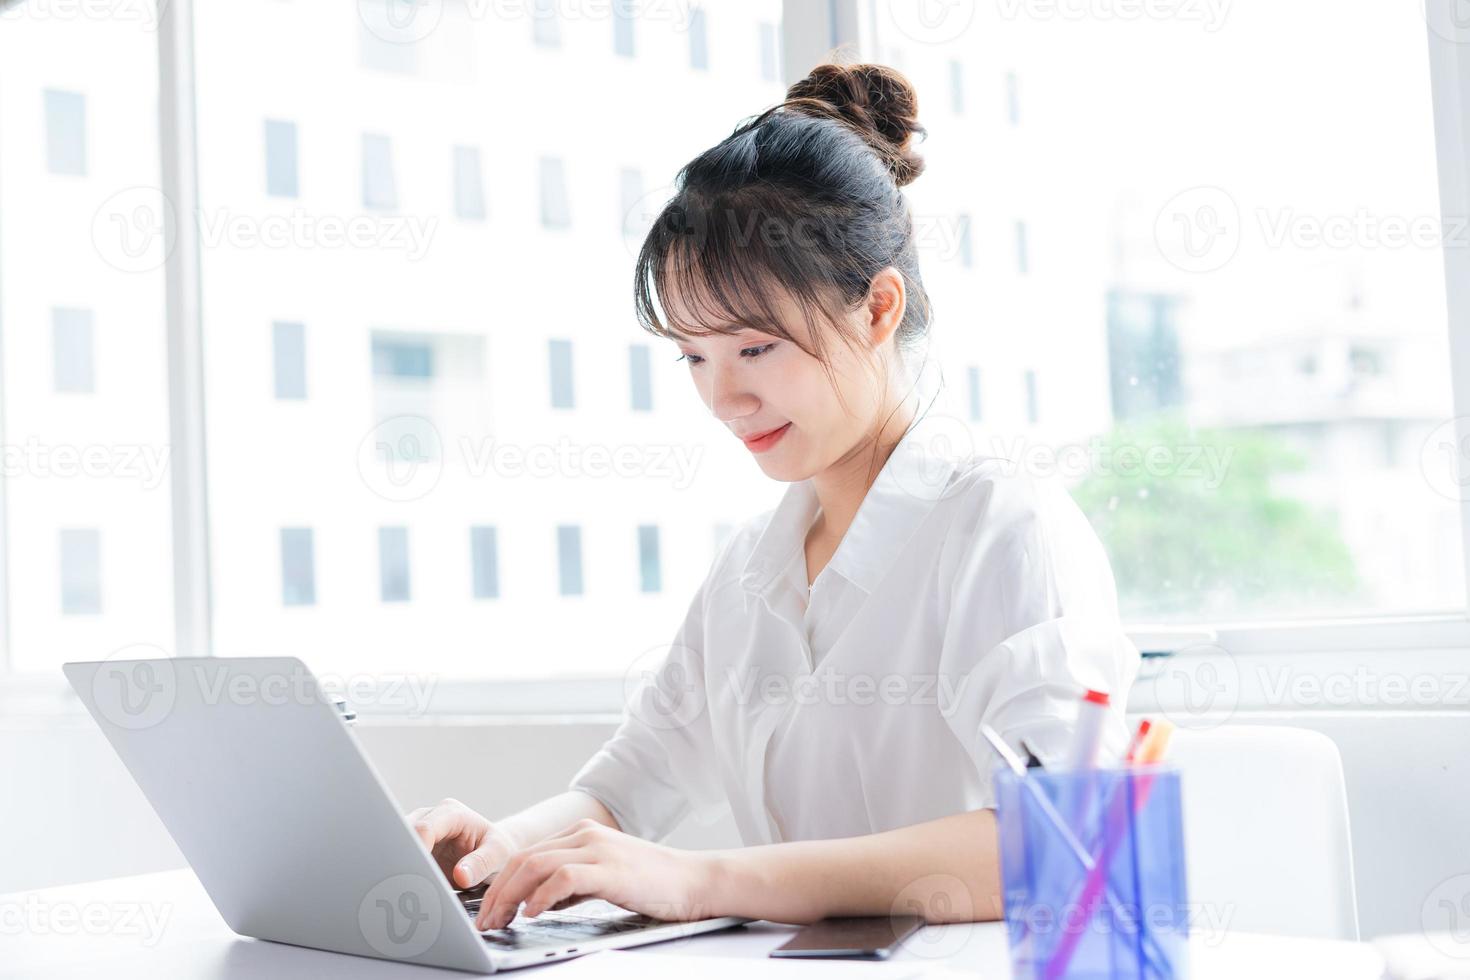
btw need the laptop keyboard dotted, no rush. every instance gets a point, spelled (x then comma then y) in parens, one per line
(555, 928)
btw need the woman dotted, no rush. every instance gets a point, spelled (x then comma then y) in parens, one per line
(834, 668)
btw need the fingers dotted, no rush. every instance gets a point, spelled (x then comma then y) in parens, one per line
(479, 864)
(436, 823)
(522, 875)
(567, 881)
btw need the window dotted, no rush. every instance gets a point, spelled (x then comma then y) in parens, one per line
(469, 186)
(560, 353)
(555, 210)
(965, 243)
(288, 347)
(378, 189)
(81, 572)
(648, 567)
(399, 358)
(1023, 259)
(698, 42)
(640, 377)
(298, 567)
(630, 187)
(545, 28)
(569, 559)
(623, 12)
(71, 347)
(280, 158)
(66, 132)
(393, 564)
(484, 563)
(1033, 410)
(86, 495)
(972, 375)
(1013, 99)
(957, 87)
(770, 71)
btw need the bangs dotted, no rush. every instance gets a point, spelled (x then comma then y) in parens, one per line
(721, 269)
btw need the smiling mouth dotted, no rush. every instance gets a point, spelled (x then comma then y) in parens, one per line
(767, 438)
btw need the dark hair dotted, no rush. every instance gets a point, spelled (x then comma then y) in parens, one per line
(805, 197)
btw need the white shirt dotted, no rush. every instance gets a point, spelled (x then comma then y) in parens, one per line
(965, 591)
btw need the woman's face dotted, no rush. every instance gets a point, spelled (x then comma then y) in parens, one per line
(760, 384)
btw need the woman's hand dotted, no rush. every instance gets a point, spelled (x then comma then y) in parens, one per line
(591, 860)
(467, 846)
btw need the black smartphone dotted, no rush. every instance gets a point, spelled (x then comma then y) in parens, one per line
(851, 938)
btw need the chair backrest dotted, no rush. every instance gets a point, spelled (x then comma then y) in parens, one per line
(1266, 830)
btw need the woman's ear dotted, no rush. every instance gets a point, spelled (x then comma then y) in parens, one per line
(886, 300)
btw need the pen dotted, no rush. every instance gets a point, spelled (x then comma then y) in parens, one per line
(1092, 714)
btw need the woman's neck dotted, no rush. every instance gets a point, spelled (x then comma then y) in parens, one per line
(842, 486)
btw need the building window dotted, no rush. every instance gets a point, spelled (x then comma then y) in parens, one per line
(393, 563)
(402, 358)
(288, 348)
(630, 193)
(469, 185)
(484, 563)
(622, 18)
(569, 558)
(649, 577)
(640, 377)
(1023, 259)
(957, 87)
(66, 132)
(974, 386)
(1033, 407)
(545, 28)
(965, 245)
(560, 353)
(770, 72)
(298, 567)
(1013, 99)
(379, 191)
(556, 212)
(72, 351)
(698, 40)
(280, 158)
(81, 571)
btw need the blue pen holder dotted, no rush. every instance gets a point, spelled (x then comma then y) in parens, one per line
(1128, 920)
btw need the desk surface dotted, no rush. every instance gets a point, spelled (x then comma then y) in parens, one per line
(164, 925)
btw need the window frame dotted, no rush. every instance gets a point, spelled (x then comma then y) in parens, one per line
(806, 35)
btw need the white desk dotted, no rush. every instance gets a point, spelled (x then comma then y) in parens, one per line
(163, 925)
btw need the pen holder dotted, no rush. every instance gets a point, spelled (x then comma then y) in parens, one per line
(1092, 862)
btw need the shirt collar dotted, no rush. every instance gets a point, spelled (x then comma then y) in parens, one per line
(915, 476)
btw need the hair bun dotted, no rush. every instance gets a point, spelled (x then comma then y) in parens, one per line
(875, 100)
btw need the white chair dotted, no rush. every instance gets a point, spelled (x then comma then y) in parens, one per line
(1266, 830)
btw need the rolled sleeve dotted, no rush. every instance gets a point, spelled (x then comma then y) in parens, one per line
(1033, 624)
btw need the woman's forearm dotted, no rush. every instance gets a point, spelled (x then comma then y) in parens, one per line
(540, 820)
(946, 870)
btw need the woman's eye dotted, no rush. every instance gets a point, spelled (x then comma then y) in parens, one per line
(691, 358)
(758, 351)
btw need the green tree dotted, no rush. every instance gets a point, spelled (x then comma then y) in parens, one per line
(1212, 540)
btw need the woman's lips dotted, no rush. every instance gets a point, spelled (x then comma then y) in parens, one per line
(761, 443)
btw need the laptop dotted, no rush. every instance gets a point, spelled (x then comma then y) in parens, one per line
(293, 834)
